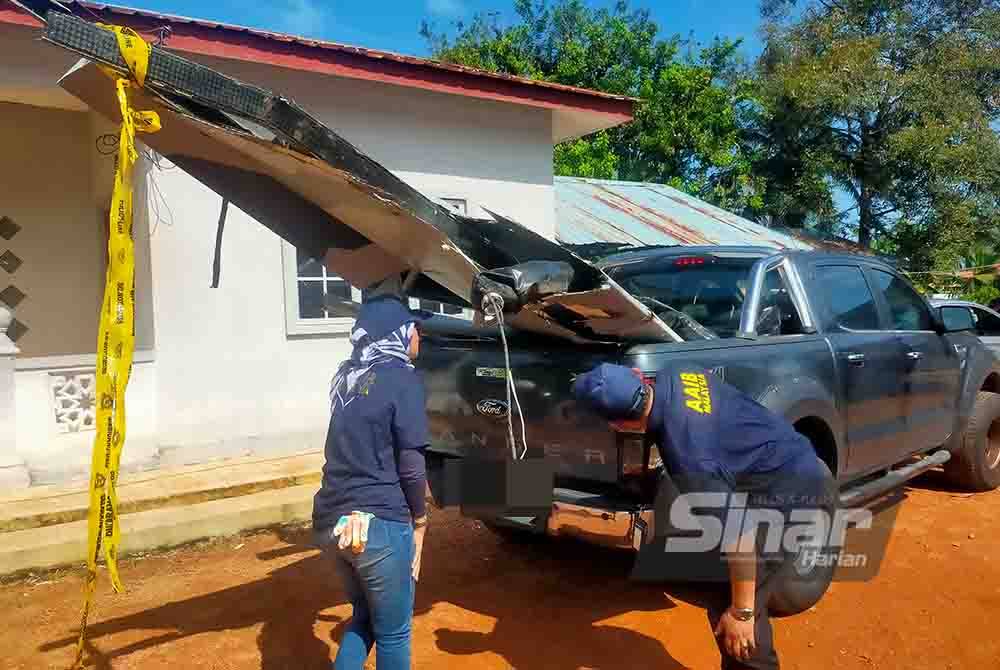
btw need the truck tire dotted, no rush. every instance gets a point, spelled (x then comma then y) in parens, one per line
(975, 466)
(805, 587)
(804, 581)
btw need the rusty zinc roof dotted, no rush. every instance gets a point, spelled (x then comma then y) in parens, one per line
(593, 210)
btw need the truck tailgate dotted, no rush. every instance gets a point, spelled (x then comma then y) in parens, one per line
(464, 373)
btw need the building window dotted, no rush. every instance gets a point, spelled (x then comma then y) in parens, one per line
(316, 301)
(320, 293)
(439, 308)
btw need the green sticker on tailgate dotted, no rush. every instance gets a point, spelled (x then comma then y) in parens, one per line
(495, 373)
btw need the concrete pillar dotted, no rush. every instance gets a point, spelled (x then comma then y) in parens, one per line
(13, 473)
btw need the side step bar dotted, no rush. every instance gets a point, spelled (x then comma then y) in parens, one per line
(892, 479)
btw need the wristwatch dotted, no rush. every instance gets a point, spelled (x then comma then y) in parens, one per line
(741, 613)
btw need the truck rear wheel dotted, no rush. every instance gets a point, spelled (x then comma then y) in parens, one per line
(805, 583)
(807, 575)
(975, 466)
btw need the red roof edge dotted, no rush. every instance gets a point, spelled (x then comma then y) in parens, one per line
(330, 58)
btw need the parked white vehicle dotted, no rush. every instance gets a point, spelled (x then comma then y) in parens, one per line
(987, 321)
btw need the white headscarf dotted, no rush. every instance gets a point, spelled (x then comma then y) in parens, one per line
(367, 354)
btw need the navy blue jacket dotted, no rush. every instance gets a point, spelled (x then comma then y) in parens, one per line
(714, 437)
(367, 440)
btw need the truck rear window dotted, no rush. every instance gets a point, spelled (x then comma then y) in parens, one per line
(687, 295)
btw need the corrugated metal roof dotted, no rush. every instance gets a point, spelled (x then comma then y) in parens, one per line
(594, 210)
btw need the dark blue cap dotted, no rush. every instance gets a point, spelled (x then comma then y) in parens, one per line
(613, 391)
(384, 314)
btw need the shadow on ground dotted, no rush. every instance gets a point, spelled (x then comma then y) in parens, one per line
(551, 602)
(287, 602)
(935, 480)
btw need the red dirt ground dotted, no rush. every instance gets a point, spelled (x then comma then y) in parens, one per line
(266, 601)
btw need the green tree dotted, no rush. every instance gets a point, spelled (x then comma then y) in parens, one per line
(689, 124)
(895, 102)
(790, 146)
(980, 261)
(984, 294)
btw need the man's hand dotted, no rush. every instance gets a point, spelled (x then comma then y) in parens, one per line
(418, 549)
(736, 637)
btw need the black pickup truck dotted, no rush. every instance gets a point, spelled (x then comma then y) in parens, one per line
(840, 345)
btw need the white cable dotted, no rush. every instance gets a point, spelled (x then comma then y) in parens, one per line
(512, 389)
(496, 302)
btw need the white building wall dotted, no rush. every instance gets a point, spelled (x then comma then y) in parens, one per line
(230, 380)
(218, 374)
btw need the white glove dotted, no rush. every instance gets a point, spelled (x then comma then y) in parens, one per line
(353, 531)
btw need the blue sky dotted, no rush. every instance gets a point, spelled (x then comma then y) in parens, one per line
(393, 25)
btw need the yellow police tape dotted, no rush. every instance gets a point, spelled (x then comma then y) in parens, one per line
(116, 339)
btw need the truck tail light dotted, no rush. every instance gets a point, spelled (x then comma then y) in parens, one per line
(637, 457)
(637, 427)
(631, 451)
(688, 261)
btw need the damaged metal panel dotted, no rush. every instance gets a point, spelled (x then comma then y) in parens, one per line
(261, 177)
(316, 190)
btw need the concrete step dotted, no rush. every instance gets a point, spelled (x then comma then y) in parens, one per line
(66, 543)
(46, 506)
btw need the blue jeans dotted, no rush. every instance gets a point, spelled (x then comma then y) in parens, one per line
(379, 583)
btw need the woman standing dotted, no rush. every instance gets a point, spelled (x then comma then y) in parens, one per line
(369, 515)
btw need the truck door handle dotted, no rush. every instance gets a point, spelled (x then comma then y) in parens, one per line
(914, 355)
(857, 360)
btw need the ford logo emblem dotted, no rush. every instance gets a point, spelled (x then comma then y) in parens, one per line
(496, 409)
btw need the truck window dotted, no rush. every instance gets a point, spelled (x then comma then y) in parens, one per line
(987, 324)
(956, 318)
(848, 298)
(907, 310)
(693, 295)
(778, 314)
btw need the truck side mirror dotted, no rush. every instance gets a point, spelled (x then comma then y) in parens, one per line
(953, 319)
